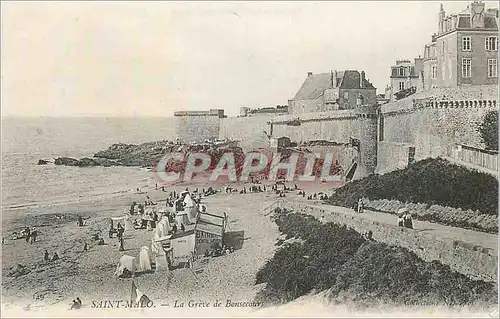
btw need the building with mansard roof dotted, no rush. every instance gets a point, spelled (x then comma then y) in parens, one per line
(337, 90)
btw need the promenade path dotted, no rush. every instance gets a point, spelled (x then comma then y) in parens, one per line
(469, 252)
(437, 230)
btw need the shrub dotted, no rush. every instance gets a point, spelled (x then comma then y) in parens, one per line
(430, 181)
(339, 259)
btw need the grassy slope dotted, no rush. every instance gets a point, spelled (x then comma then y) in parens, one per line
(431, 181)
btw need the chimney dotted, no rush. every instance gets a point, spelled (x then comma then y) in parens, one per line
(477, 14)
(362, 80)
(335, 84)
(309, 73)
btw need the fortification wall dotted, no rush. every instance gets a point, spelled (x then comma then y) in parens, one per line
(248, 130)
(194, 129)
(477, 262)
(431, 122)
(334, 126)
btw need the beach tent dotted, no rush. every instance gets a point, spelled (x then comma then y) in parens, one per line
(123, 220)
(126, 262)
(190, 207)
(145, 259)
(161, 263)
(163, 226)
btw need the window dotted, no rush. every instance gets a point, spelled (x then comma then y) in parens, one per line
(346, 95)
(401, 86)
(442, 47)
(434, 72)
(400, 71)
(491, 44)
(466, 67)
(466, 44)
(492, 68)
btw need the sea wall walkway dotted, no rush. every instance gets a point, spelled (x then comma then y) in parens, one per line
(469, 252)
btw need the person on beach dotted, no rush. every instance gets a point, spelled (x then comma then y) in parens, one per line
(27, 232)
(34, 234)
(80, 221)
(85, 247)
(46, 256)
(121, 244)
(79, 301)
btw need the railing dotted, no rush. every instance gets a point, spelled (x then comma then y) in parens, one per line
(270, 209)
(481, 159)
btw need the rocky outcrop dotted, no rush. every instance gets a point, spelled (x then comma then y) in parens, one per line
(85, 162)
(42, 162)
(68, 161)
(145, 154)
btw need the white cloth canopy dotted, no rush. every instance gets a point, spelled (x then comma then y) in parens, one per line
(161, 263)
(145, 259)
(127, 262)
(188, 201)
(163, 226)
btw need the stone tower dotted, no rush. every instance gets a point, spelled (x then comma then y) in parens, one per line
(367, 133)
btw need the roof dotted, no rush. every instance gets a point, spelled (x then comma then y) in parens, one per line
(489, 22)
(180, 234)
(210, 218)
(315, 84)
(351, 80)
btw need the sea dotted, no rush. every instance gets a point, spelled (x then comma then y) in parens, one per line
(26, 140)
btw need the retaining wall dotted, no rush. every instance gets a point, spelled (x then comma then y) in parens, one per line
(475, 261)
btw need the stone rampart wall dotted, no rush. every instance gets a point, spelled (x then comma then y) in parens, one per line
(477, 262)
(248, 130)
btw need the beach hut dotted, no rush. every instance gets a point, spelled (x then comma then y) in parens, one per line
(209, 231)
(145, 259)
(183, 246)
(126, 262)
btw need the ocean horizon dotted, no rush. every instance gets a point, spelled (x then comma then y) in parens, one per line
(25, 140)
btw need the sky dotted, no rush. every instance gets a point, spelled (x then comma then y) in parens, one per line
(154, 58)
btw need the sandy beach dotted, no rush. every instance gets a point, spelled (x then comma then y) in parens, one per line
(89, 275)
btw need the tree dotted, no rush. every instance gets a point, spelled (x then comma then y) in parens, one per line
(489, 130)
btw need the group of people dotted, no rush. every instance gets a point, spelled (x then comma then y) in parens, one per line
(47, 258)
(77, 303)
(30, 234)
(218, 250)
(315, 196)
(405, 219)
